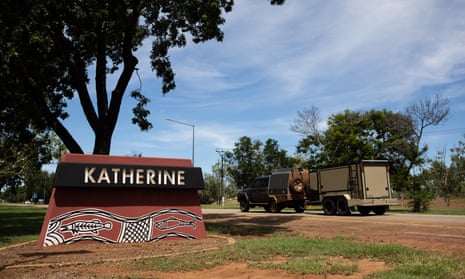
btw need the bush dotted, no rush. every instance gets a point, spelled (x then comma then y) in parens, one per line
(420, 200)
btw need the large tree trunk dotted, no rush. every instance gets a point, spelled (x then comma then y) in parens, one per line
(102, 144)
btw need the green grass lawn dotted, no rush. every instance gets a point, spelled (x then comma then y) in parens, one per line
(20, 223)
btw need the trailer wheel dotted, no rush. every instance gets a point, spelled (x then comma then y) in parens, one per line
(274, 206)
(342, 207)
(329, 207)
(379, 210)
(364, 210)
(296, 185)
(244, 205)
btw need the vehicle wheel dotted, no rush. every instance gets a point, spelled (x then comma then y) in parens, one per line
(267, 208)
(379, 210)
(329, 207)
(342, 207)
(364, 210)
(244, 205)
(296, 185)
(300, 207)
(274, 206)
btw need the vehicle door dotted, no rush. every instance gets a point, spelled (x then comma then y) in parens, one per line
(258, 191)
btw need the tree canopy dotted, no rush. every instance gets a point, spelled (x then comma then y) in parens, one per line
(49, 48)
(251, 158)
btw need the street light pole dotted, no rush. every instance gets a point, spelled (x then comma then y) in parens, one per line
(193, 134)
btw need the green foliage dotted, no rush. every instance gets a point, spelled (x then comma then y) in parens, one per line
(251, 158)
(212, 192)
(420, 199)
(21, 158)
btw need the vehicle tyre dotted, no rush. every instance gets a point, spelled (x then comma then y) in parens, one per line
(364, 210)
(296, 185)
(274, 206)
(267, 208)
(342, 207)
(244, 205)
(379, 210)
(329, 207)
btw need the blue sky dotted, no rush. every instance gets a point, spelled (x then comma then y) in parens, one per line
(275, 60)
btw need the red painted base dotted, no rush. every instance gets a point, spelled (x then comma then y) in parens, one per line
(121, 215)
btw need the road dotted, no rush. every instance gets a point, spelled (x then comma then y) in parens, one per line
(442, 233)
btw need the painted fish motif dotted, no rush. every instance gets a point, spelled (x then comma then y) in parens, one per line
(92, 226)
(173, 222)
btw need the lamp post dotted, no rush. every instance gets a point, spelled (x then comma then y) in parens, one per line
(193, 134)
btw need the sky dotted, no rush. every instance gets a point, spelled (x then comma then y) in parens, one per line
(276, 60)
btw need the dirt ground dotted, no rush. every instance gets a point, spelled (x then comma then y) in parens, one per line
(442, 234)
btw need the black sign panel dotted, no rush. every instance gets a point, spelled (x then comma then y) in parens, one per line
(108, 175)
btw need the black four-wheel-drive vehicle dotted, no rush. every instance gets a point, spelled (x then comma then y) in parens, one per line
(283, 188)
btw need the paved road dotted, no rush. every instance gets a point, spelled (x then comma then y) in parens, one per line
(442, 233)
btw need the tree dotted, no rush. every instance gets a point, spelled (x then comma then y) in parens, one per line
(251, 158)
(274, 157)
(457, 168)
(307, 122)
(49, 47)
(424, 114)
(21, 159)
(244, 161)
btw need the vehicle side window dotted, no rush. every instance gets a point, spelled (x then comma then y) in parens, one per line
(260, 183)
(256, 184)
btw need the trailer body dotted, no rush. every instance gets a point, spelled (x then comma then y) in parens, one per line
(364, 186)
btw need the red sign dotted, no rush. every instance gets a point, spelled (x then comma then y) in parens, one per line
(114, 199)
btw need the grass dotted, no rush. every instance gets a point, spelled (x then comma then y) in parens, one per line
(288, 251)
(300, 255)
(20, 223)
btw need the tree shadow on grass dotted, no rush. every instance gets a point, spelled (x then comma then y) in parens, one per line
(250, 224)
(20, 223)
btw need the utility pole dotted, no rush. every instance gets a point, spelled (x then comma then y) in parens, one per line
(221, 152)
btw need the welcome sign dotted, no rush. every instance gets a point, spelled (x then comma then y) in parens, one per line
(108, 175)
(120, 199)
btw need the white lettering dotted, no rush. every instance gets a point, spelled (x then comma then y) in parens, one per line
(104, 176)
(150, 176)
(88, 178)
(129, 175)
(115, 175)
(167, 176)
(139, 176)
(181, 178)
